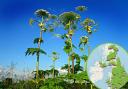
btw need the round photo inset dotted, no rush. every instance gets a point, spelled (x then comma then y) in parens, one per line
(108, 66)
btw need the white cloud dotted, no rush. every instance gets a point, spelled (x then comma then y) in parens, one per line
(62, 71)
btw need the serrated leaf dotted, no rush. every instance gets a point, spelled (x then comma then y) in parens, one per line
(74, 46)
(43, 52)
(32, 51)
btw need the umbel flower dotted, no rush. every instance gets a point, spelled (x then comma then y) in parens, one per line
(88, 24)
(81, 8)
(42, 13)
(69, 18)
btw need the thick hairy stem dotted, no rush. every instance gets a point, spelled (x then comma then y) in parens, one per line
(37, 67)
(38, 56)
(71, 52)
(68, 64)
(70, 37)
(85, 65)
(91, 86)
(73, 65)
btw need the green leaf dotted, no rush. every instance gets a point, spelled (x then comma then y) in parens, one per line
(43, 52)
(55, 56)
(67, 49)
(32, 51)
(36, 40)
(82, 76)
(80, 44)
(53, 16)
(51, 29)
(74, 26)
(71, 32)
(65, 67)
(74, 46)
(84, 57)
(83, 40)
(31, 21)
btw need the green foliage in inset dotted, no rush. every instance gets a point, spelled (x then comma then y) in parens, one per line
(113, 47)
(111, 56)
(119, 76)
(102, 64)
(125, 86)
(112, 63)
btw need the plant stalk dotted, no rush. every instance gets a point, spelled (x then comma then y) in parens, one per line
(38, 56)
(73, 65)
(68, 64)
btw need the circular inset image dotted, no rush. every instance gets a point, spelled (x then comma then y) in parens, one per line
(108, 66)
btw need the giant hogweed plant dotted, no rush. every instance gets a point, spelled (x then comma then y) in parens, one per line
(45, 22)
(54, 57)
(89, 26)
(69, 21)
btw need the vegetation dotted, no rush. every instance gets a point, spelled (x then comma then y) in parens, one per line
(119, 76)
(76, 76)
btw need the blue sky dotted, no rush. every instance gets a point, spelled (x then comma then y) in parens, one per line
(17, 35)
